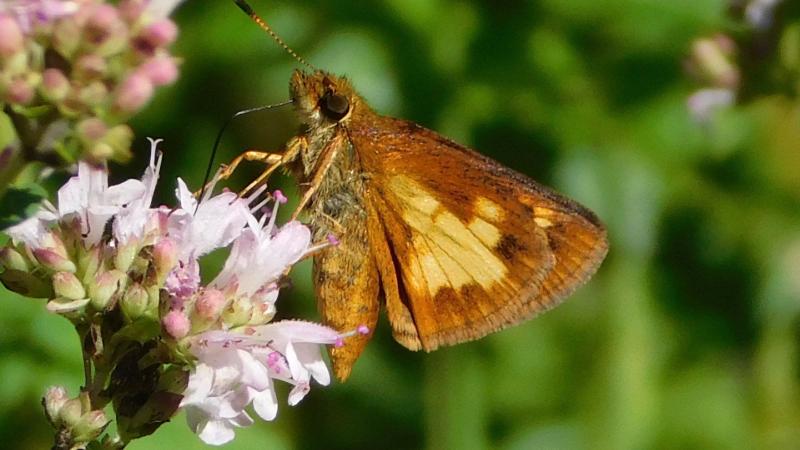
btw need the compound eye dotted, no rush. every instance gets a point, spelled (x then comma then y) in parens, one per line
(334, 106)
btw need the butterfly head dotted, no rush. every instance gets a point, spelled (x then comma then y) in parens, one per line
(322, 99)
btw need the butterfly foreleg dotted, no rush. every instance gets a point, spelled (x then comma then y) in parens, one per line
(324, 163)
(275, 160)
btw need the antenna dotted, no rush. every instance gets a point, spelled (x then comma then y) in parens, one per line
(242, 4)
(219, 139)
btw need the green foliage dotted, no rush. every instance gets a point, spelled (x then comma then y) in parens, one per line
(686, 338)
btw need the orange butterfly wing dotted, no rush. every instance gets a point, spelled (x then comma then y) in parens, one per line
(464, 245)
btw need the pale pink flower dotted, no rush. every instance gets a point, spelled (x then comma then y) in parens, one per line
(135, 219)
(213, 223)
(236, 368)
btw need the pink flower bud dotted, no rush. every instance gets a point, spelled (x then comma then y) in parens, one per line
(176, 324)
(102, 20)
(134, 92)
(90, 66)
(131, 10)
(53, 261)
(91, 130)
(209, 305)
(67, 285)
(165, 256)
(55, 85)
(160, 33)
(11, 38)
(161, 70)
(54, 399)
(20, 92)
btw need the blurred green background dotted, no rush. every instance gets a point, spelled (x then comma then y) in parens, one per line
(688, 335)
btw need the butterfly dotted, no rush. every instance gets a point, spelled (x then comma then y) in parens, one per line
(453, 244)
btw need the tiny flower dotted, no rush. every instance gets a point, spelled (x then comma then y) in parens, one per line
(134, 221)
(703, 103)
(209, 305)
(135, 303)
(165, 257)
(176, 324)
(104, 287)
(160, 33)
(54, 399)
(89, 198)
(161, 70)
(213, 223)
(67, 285)
(55, 85)
(90, 66)
(20, 91)
(11, 38)
(53, 260)
(12, 259)
(134, 92)
(90, 426)
(237, 368)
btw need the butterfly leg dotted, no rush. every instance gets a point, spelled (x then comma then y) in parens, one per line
(325, 162)
(272, 160)
(294, 148)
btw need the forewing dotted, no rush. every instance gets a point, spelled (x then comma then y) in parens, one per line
(465, 246)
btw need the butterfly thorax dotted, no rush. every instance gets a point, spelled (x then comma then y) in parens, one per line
(345, 276)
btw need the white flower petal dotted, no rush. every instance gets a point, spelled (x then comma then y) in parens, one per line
(265, 403)
(216, 432)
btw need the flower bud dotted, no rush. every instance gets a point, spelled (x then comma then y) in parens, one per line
(93, 94)
(120, 138)
(54, 399)
(106, 31)
(66, 284)
(91, 130)
(12, 259)
(713, 58)
(67, 37)
(55, 85)
(238, 312)
(165, 256)
(160, 33)
(208, 308)
(161, 70)
(89, 427)
(90, 67)
(71, 412)
(102, 20)
(176, 324)
(19, 91)
(89, 261)
(104, 287)
(131, 10)
(126, 254)
(134, 93)
(11, 38)
(53, 261)
(135, 302)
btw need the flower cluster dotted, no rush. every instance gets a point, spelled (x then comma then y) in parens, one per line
(73, 71)
(127, 275)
